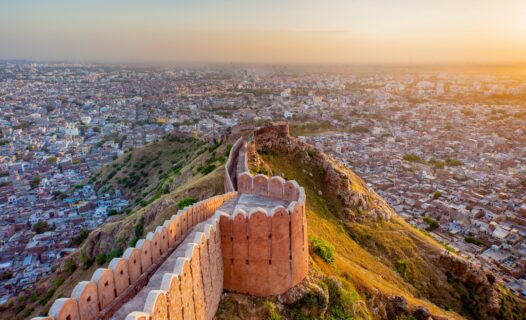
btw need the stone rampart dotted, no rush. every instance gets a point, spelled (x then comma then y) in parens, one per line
(264, 253)
(231, 165)
(109, 288)
(275, 187)
(193, 289)
(261, 252)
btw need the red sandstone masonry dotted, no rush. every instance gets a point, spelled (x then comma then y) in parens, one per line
(269, 255)
(259, 253)
(111, 288)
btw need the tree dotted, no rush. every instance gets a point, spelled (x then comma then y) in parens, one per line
(52, 160)
(436, 195)
(41, 227)
(35, 182)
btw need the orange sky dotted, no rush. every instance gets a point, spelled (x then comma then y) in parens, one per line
(337, 31)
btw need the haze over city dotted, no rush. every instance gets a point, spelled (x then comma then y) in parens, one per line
(312, 31)
(263, 160)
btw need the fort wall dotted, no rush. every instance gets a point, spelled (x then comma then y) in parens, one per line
(262, 252)
(193, 289)
(111, 287)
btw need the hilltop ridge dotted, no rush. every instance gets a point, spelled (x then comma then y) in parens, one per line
(365, 261)
(375, 250)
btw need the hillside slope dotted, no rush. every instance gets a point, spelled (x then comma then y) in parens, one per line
(191, 171)
(383, 268)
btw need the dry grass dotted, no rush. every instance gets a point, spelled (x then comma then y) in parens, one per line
(370, 269)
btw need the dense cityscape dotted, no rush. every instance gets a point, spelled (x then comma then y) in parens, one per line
(446, 149)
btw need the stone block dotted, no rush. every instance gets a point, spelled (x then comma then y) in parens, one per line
(178, 225)
(192, 252)
(64, 309)
(121, 276)
(183, 270)
(299, 263)
(156, 305)
(103, 278)
(280, 268)
(145, 249)
(133, 256)
(260, 185)
(291, 191)
(85, 292)
(163, 236)
(155, 241)
(259, 224)
(244, 182)
(172, 232)
(171, 284)
(275, 187)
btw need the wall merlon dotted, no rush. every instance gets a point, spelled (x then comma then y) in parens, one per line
(145, 249)
(103, 278)
(121, 276)
(64, 309)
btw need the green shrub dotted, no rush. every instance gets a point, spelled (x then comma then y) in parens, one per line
(139, 228)
(411, 157)
(474, 241)
(436, 195)
(453, 162)
(340, 301)
(402, 267)
(115, 253)
(186, 202)
(80, 237)
(101, 259)
(113, 212)
(41, 227)
(432, 223)
(322, 248)
(206, 169)
(272, 311)
(70, 267)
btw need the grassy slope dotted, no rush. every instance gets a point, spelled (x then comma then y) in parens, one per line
(369, 268)
(142, 173)
(118, 234)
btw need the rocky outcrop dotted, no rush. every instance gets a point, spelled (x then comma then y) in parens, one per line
(357, 199)
(473, 276)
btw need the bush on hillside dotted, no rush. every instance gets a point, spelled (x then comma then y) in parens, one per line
(432, 223)
(272, 311)
(402, 267)
(322, 248)
(186, 202)
(41, 227)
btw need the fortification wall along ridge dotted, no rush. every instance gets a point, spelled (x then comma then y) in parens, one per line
(260, 251)
(111, 287)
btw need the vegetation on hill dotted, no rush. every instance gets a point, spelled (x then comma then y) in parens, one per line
(144, 174)
(384, 268)
(170, 165)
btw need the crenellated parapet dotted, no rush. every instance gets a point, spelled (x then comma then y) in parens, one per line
(193, 288)
(109, 288)
(251, 241)
(265, 252)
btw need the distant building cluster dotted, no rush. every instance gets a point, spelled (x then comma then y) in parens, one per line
(448, 151)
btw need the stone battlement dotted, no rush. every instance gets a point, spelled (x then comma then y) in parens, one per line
(251, 241)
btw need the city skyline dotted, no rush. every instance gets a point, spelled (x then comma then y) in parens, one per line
(270, 32)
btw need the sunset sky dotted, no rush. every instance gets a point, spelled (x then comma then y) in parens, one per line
(308, 31)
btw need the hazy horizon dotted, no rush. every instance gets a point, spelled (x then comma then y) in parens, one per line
(302, 32)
